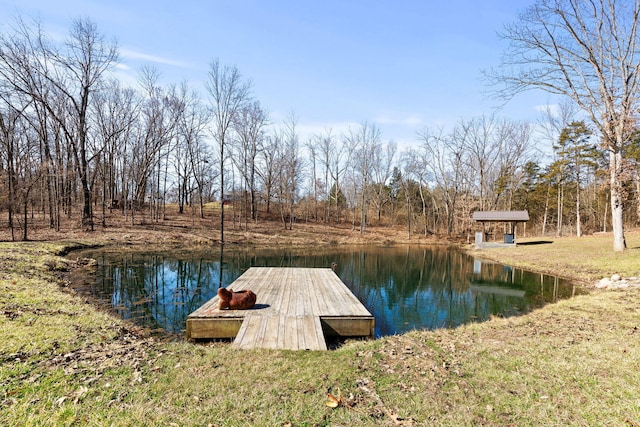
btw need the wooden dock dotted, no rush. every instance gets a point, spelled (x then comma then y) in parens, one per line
(295, 309)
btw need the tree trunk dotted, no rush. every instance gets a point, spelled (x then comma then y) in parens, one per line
(615, 168)
(253, 191)
(363, 213)
(25, 218)
(546, 211)
(560, 207)
(408, 201)
(578, 220)
(12, 186)
(222, 190)
(637, 178)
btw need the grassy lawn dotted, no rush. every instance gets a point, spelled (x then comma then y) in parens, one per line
(577, 362)
(586, 259)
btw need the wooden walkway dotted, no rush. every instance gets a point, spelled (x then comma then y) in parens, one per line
(295, 309)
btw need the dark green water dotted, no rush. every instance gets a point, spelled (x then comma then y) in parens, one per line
(405, 288)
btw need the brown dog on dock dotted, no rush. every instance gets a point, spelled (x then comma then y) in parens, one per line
(236, 300)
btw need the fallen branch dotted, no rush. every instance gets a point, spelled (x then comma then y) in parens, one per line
(397, 420)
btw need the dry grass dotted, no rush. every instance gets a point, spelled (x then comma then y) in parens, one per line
(576, 362)
(573, 363)
(189, 229)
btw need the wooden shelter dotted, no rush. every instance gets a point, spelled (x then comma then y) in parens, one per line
(511, 217)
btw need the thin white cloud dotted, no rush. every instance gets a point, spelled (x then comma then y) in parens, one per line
(140, 56)
(553, 108)
(126, 76)
(307, 130)
(410, 120)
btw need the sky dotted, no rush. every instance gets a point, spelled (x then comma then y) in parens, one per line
(402, 65)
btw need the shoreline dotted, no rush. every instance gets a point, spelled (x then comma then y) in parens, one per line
(548, 255)
(67, 362)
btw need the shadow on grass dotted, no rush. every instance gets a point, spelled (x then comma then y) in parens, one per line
(536, 242)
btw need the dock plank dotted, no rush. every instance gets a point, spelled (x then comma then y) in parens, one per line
(313, 335)
(281, 332)
(289, 333)
(248, 333)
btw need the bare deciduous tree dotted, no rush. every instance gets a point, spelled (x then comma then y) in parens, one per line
(64, 77)
(334, 166)
(115, 117)
(415, 164)
(289, 170)
(228, 93)
(249, 124)
(381, 166)
(363, 143)
(448, 169)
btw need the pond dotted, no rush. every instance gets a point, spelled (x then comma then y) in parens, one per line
(404, 287)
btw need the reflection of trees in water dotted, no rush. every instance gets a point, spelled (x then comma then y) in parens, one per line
(404, 287)
(156, 291)
(411, 288)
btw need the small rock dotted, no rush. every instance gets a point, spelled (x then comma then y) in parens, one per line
(616, 278)
(603, 283)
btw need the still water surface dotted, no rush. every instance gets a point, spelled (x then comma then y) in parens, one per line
(405, 288)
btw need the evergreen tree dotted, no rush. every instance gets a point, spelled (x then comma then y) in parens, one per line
(577, 151)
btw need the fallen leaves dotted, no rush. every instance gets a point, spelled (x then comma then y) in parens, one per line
(77, 396)
(128, 349)
(397, 420)
(335, 401)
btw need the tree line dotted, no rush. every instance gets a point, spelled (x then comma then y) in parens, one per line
(76, 141)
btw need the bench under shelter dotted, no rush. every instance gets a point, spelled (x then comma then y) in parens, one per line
(510, 217)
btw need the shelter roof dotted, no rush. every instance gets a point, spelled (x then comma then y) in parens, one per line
(504, 216)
